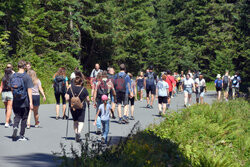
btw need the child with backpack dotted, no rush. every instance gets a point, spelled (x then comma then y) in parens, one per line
(104, 110)
(7, 96)
(60, 87)
(218, 85)
(35, 97)
(21, 85)
(78, 96)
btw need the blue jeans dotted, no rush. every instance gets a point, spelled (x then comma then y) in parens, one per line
(98, 121)
(105, 129)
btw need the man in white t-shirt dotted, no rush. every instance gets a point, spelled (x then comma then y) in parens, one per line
(93, 76)
(200, 85)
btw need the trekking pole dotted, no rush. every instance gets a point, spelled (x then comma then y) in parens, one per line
(67, 125)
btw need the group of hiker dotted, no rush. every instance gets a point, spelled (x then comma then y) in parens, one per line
(21, 91)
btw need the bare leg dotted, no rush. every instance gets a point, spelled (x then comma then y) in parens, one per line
(147, 99)
(160, 107)
(201, 100)
(36, 116)
(132, 110)
(75, 125)
(119, 109)
(29, 117)
(80, 127)
(126, 110)
(190, 98)
(141, 95)
(164, 108)
(8, 107)
(152, 99)
(185, 98)
(64, 109)
(57, 110)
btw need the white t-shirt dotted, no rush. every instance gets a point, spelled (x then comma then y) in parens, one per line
(200, 82)
(188, 83)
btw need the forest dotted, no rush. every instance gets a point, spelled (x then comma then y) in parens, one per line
(206, 35)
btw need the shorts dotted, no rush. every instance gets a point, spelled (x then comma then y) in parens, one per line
(78, 115)
(57, 95)
(170, 94)
(122, 98)
(188, 90)
(226, 88)
(131, 100)
(36, 100)
(200, 94)
(218, 89)
(162, 99)
(151, 88)
(139, 88)
(7, 96)
(235, 90)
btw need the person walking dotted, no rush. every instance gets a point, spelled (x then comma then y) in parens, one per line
(236, 80)
(189, 88)
(162, 94)
(35, 97)
(218, 85)
(171, 83)
(93, 78)
(111, 76)
(28, 66)
(150, 85)
(200, 85)
(140, 85)
(226, 83)
(132, 97)
(7, 96)
(60, 87)
(104, 110)
(21, 85)
(78, 96)
(121, 83)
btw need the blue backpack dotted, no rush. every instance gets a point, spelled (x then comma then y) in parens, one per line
(219, 84)
(150, 78)
(18, 88)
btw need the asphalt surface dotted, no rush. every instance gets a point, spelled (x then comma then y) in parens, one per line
(43, 142)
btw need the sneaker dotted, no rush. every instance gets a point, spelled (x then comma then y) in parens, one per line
(37, 126)
(65, 117)
(7, 125)
(120, 121)
(10, 122)
(28, 126)
(57, 117)
(151, 107)
(132, 118)
(78, 138)
(160, 112)
(22, 138)
(185, 105)
(98, 132)
(141, 100)
(125, 119)
(189, 105)
(14, 135)
(148, 106)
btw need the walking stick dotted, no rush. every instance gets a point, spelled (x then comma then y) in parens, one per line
(67, 125)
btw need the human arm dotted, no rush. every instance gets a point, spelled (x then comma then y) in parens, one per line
(98, 112)
(42, 92)
(30, 98)
(1, 87)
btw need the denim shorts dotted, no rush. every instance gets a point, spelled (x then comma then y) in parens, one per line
(7, 96)
(200, 94)
(139, 88)
(188, 90)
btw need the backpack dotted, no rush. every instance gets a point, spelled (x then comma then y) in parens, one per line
(150, 78)
(102, 89)
(235, 81)
(120, 83)
(219, 84)
(18, 88)
(75, 102)
(59, 85)
(225, 80)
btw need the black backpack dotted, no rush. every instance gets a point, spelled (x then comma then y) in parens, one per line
(120, 83)
(59, 85)
(150, 78)
(235, 81)
(102, 89)
(225, 80)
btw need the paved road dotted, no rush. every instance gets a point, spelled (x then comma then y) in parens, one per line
(37, 152)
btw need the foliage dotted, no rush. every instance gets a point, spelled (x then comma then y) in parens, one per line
(216, 135)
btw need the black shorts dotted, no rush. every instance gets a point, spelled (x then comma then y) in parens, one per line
(162, 99)
(218, 89)
(150, 88)
(170, 94)
(78, 115)
(131, 100)
(122, 98)
(57, 95)
(36, 100)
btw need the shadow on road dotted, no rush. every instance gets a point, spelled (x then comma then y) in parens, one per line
(34, 160)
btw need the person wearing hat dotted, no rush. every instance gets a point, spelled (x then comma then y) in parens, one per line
(105, 109)
(200, 85)
(218, 85)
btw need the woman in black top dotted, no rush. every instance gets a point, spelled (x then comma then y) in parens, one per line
(77, 88)
(7, 96)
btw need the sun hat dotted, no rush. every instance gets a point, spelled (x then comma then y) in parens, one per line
(104, 97)
(218, 76)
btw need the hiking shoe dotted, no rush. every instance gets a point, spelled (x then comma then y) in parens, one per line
(7, 125)
(148, 106)
(125, 119)
(22, 138)
(151, 107)
(14, 135)
(65, 117)
(132, 118)
(78, 138)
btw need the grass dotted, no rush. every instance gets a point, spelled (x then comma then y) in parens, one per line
(214, 135)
